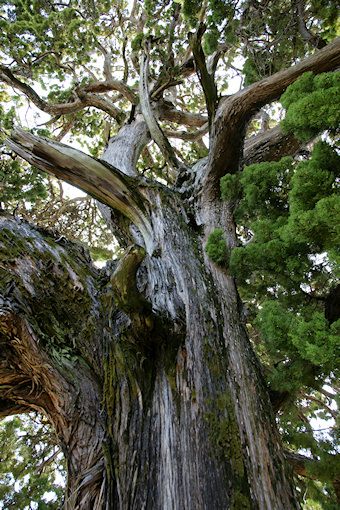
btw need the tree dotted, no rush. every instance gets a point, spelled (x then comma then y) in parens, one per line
(30, 462)
(145, 368)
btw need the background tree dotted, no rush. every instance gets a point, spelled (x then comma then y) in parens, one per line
(145, 368)
(30, 464)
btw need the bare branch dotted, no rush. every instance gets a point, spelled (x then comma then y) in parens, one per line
(84, 99)
(65, 129)
(206, 78)
(168, 112)
(334, 414)
(107, 86)
(186, 135)
(300, 463)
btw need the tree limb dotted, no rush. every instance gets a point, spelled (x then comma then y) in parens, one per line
(206, 78)
(186, 135)
(155, 130)
(101, 180)
(300, 463)
(108, 85)
(270, 145)
(84, 99)
(168, 112)
(314, 40)
(234, 113)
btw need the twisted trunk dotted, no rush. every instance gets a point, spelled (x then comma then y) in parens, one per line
(144, 368)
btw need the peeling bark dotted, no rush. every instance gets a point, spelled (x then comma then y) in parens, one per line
(50, 362)
(102, 181)
(188, 416)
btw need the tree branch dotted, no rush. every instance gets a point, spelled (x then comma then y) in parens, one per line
(101, 180)
(84, 99)
(271, 145)
(186, 135)
(234, 113)
(300, 463)
(155, 130)
(315, 40)
(168, 112)
(206, 79)
(107, 86)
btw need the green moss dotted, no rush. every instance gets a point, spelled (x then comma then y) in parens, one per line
(225, 442)
(12, 245)
(54, 297)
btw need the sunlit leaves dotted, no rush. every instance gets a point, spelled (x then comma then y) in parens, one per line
(31, 467)
(313, 105)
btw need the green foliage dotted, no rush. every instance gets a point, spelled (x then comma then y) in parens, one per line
(216, 248)
(30, 469)
(231, 187)
(313, 105)
(285, 207)
(288, 220)
(190, 11)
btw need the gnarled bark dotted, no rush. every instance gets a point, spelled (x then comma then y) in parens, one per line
(145, 368)
(52, 338)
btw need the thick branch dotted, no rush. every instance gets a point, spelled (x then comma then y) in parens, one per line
(168, 112)
(101, 180)
(187, 135)
(206, 78)
(315, 40)
(235, 112)
(300, 463)
(271, 145)
(149, 117)
(107, 86)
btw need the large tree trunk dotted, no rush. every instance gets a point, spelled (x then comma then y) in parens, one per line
(144, 368)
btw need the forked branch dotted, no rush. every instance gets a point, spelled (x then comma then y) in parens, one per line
(155, 130)
(234, 113)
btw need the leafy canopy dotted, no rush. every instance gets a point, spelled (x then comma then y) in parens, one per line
(30, 465)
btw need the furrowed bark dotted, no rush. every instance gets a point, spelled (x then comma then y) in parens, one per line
(233, 114)
(185, 420)
(272, 145)
(188, 423)
(52, 340)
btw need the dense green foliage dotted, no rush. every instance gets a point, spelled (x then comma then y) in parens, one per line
(31, 466)
(313, 105)
(216, 248)
(288, 265)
